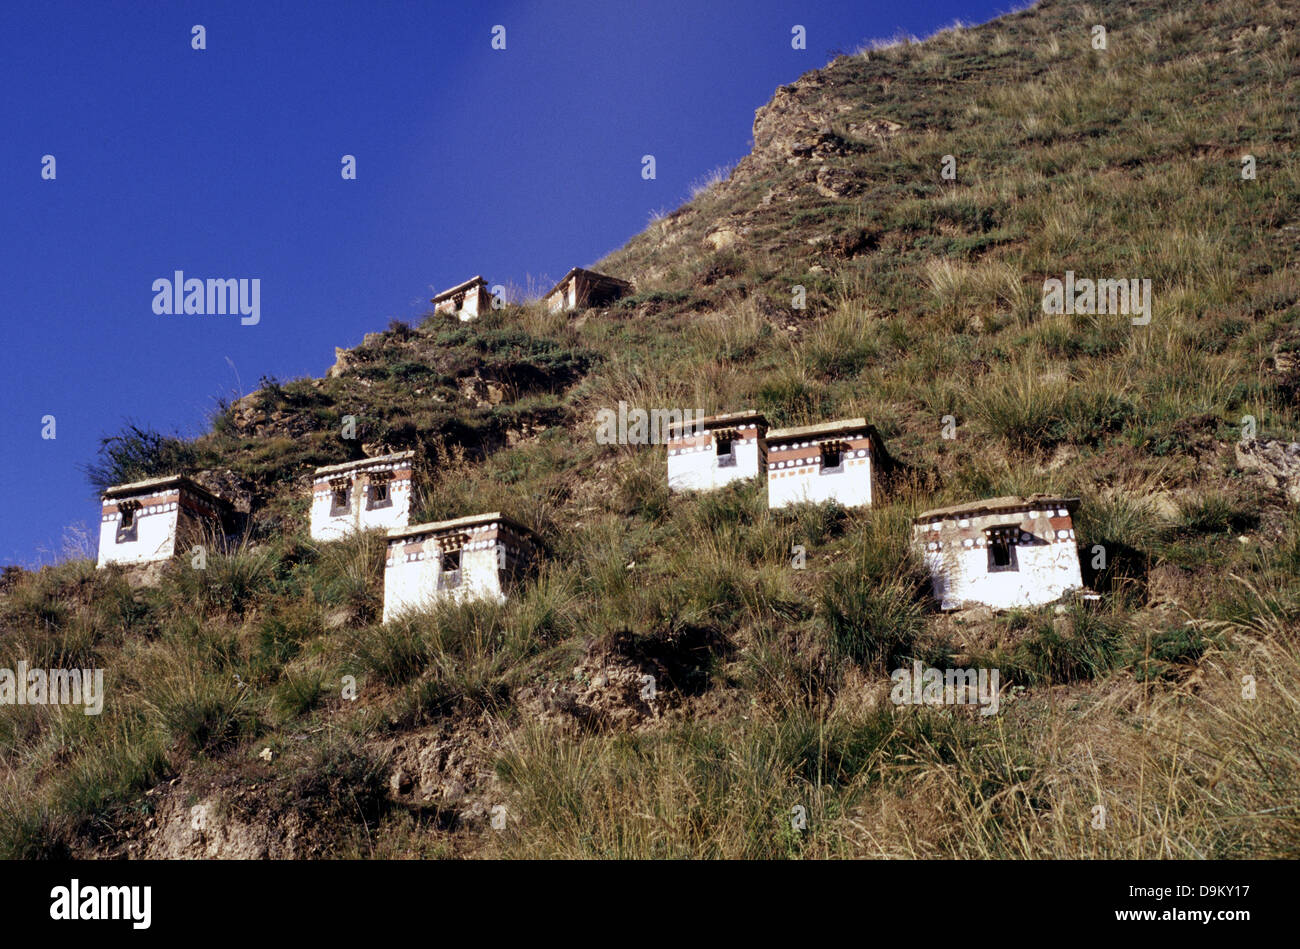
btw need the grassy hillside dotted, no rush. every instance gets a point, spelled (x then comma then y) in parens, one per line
(226, 731)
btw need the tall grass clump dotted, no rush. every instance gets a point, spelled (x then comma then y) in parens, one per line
(871, 604)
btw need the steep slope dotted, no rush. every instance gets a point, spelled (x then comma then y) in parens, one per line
(922, 312)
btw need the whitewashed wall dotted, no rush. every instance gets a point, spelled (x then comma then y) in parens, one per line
(1047, 560)
(326, 526)
(851, 487)
(411, 580)
(395, 515)
(1046, 574)
(155, 535)
(696, 468)
(566, 298)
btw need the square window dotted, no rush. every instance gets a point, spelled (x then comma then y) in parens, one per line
(832, 457)
(724, 445)
(379, 496)
(128, 527)
(341, 502)
(449, 574)
(1001, 542)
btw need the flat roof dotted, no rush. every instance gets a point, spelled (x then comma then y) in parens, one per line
(471, 520)
(596, 277)
(722, 420)
(822, 428)
(1010, 502)
(471, 282)
(362, 462)
(155, 484)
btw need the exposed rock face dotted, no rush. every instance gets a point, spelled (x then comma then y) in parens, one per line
(837, 182)
(794, 116)
(607, 691)
(722, 238)
(446, 770)
(482, 393)
(251, 420)
(797, 125)
(344, 362)
(144, 574)
(1276, 464)
(227, 485)
(1284, 367)
(881, 128)
(219, 826)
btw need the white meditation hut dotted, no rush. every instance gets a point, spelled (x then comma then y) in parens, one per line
(152, 520)
(480, 556)
(1002, 552)
(361, 495)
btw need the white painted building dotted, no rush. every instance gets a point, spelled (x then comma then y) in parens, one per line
(151, 520)
(465, 300)
(1003, 552)
(582, 288)
(711, 452)
(361, 495)
(480, 556)
(833, 461)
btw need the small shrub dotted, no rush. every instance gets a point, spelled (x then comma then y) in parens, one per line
(137, 453)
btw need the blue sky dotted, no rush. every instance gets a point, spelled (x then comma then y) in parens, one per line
(225, 162)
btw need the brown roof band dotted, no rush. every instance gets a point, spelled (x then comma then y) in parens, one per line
(721, 421)
(836, 427)
(592, 275)
(474, 281)
(470, 520)
(995, 505)
(166, 481)
(392, 459)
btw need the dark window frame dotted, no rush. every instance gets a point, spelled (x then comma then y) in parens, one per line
(340, 499)
(128, 528)
(375, 502)
(832, 451)
(1002, 540)
(726, 459)
(449, 577)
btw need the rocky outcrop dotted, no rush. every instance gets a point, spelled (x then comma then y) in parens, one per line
(798, 125)
(480, 392)
(793, 117)
(834, 181)
(606, 691)
(446, 770)
(344, 362)
(1273, 462)
(223, 824)
(251, 419)
(227, 485)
